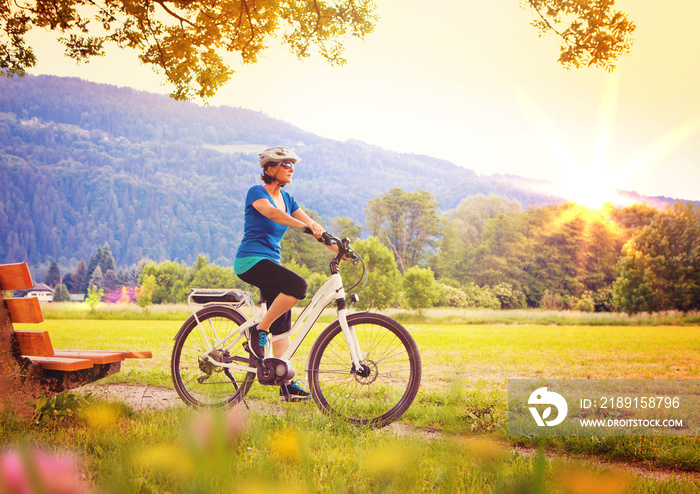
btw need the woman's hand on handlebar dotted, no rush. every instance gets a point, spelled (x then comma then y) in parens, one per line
(314, 229)
(329, 240)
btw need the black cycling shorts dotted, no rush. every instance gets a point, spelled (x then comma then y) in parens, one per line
(273, 279)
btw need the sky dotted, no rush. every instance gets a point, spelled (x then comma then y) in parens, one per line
(471, 82)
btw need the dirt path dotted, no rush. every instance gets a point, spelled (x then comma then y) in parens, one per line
(137, 396)
(142, 397)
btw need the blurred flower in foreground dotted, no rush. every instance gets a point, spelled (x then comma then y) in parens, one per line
(484, 450)
(257, 486)
(101, 417)
(202, 428)
(166, 459)
(580, 481)
(389, 460)
(31, 471)
(208, 427)
(236, 423)
(286, 445)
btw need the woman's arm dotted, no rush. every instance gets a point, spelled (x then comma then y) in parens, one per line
(264, 207)
(298, 219)
(300, 215)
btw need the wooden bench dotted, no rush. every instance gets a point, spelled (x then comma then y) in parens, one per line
(55, 370)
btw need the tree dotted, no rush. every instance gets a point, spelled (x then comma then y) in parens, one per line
(660, 269)
(509, 297)
(463, 227)
(94, 297)
(472, 214)
(97, 279)
(406, 222)
(145, 292)
(93, 263)
(166, 274)
(420, 288)
(384, 280)
(78, 279)
(106, 259)
(499, 257)
(213, 276)
(53, 277)
(183, 39)
(345, 227)
(109, 281)
(60, 293)
(591, 31)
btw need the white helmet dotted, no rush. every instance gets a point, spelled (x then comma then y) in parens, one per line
(277, 154)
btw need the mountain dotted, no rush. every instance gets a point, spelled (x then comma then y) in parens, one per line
(82, 164)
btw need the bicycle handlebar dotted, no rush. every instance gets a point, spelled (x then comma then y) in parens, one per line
(344, 252)
(325, 238)
(328, 239)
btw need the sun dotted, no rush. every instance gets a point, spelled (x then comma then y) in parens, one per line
(593, 184)
(589, 189)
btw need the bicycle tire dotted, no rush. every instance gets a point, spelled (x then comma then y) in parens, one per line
(200, 383)
(394, 365)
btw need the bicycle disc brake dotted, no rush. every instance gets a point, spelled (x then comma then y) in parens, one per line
(367, 374)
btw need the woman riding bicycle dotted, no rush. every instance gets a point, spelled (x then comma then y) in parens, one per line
(269, 212)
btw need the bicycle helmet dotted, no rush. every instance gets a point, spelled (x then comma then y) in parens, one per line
(277, 154)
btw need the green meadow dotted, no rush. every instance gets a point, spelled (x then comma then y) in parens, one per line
(452, 439)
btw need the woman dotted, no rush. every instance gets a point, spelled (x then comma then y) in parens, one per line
(269, 212)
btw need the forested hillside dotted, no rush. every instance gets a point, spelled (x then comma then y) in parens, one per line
(84, 164)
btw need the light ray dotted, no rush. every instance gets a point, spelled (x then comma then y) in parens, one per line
(659, 148)
(539, 122)
(604, 125)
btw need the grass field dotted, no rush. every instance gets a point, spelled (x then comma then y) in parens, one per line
(461, 408)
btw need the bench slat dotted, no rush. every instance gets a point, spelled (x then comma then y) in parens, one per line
(15, 277)
(96, 357)
(137, 354)
(35, 343)
(24, 310)
(60, 364)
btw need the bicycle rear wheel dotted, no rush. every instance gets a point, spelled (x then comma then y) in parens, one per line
(386, 385)
(199, 381)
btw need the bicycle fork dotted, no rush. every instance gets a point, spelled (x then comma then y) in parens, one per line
(350, 338)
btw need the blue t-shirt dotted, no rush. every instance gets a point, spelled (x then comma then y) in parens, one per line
(261, 235)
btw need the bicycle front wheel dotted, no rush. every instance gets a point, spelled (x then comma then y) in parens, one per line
(387, 384)
(199, 378)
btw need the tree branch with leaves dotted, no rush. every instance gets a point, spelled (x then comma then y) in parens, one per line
(185, 40)
(592, 32)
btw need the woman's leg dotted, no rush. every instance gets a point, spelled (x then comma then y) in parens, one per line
(280, 346)
(272, 279)
(279, 306)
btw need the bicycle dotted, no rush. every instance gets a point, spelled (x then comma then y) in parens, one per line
(364, 367)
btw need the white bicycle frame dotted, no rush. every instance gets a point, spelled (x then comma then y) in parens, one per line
(331, 291)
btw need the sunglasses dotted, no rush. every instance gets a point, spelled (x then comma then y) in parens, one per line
(287, 164)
